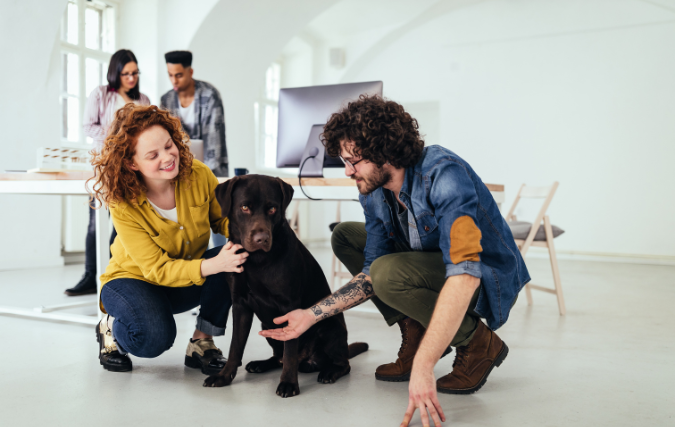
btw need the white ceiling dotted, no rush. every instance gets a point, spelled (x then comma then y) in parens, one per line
(349, 17)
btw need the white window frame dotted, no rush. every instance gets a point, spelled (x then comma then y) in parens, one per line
(259, 108)
(83, 53)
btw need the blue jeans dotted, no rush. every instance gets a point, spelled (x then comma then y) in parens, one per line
(144, 325)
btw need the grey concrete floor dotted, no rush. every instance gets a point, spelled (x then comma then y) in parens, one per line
(609, 361)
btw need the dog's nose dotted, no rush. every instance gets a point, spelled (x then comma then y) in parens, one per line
(261, 238)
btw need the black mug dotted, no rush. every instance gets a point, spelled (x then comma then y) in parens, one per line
(240, 171)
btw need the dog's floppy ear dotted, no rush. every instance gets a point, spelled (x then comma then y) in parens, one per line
(224, 195)
(286, 192)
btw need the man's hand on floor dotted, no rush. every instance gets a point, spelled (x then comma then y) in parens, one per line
(422, 395)
(298, 322)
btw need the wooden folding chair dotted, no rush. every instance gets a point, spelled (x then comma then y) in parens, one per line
(524, 245)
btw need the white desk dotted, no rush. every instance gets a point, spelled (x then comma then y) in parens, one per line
(60, 184)
(346, 188)
(73, 184)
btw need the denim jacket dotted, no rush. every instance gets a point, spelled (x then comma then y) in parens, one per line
(456, 214)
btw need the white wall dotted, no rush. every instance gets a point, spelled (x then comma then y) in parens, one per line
(150, 28)
(29, 119)
(579, 91)
(297, 62)
(234, 46)
(178, 22)
(138, 30)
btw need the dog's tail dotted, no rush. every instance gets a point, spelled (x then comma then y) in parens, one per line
(357, 348)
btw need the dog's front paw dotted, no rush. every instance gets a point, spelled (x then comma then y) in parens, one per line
(218, 381)
(286, 389)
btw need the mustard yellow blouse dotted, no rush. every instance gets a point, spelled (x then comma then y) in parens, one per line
(151, 248)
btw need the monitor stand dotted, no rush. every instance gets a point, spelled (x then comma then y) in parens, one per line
(311, 163)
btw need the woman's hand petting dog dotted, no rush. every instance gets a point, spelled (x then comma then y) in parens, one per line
(227, 260)
(298, 322)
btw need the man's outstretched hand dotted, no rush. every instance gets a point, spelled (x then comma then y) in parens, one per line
(422, 389)
(298, 322)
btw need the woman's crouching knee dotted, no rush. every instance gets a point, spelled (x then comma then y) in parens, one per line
(148, 343)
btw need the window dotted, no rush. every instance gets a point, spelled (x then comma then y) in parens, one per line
(266, 113)
(87, 40)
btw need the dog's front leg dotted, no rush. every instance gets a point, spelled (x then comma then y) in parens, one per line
(242, 319)
(288, 387)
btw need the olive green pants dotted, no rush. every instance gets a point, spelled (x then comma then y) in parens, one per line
(406, 284)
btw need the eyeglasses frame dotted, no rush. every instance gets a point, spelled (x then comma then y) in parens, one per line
(350, 164)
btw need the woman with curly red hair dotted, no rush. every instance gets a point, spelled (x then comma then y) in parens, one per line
(163, 205)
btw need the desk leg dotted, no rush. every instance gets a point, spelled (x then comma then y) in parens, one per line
(102, 248)
(102, 258)
(295, 218)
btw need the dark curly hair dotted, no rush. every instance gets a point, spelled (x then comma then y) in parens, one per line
(382, 131)
(114, 180)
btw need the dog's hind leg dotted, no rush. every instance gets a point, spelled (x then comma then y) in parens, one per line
(334, 346)
(332, 373)
(314, 363)
(260, 366)
(308, 366)
(274, 362)
(338, 365)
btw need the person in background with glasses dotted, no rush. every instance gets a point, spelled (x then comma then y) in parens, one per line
(99, 113)
(199, 107)
(435, 254)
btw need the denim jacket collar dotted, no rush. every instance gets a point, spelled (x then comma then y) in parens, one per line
(406, 187)
(409, 178)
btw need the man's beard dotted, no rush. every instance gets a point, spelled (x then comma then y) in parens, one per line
(373, 182)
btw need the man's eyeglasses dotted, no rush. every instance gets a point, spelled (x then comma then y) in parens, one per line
(134, 74)
(352, 165)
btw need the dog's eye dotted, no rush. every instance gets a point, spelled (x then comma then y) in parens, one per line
(272, 211)
(245, 208)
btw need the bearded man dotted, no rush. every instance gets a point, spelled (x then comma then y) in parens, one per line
(435, 254)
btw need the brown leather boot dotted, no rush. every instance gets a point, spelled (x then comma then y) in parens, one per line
(412, 333)
(474, 362)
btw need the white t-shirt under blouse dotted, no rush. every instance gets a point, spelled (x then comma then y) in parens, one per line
(187, 117)
(170, 214)
(120, 102)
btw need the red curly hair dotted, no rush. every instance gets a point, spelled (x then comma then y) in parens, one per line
(114, 181)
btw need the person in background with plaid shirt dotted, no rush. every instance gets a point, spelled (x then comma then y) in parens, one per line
(200, 109)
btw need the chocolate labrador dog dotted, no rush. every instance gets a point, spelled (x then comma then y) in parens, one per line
(280, 275)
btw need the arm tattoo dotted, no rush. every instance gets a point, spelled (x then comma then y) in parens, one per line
(357, 291)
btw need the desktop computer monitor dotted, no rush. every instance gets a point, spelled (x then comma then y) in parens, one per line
(303, 109)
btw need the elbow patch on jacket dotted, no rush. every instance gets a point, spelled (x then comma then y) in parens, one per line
(464, 240)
